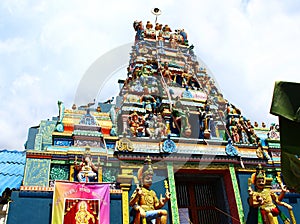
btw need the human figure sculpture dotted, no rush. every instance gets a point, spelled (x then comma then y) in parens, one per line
(273, 133)
(167, 74)
(160, 43)
(181, 118)
(266, 200)
(136, 124)
(186, 77)
(139, 28)
(184, 35)
(149, 32)
(148, 101)
(83, 216)
(87, 171)
(160, 128)
(150, 120)
(144, 200)
(173, 41)
(205, 118)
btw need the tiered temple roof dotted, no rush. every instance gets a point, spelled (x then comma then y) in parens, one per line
(169, 102)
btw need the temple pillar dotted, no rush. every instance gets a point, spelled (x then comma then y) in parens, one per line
(100, 174)
(172, 189)
(72, 173)
(125, 179)
(237, 193)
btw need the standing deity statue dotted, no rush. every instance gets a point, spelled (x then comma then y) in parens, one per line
(144, 200)
(267, 201)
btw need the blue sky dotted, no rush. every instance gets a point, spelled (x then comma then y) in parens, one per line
(46, 47)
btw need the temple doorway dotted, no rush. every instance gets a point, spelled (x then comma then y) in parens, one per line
(201, 199)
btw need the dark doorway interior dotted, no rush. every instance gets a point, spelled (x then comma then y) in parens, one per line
(201, 199)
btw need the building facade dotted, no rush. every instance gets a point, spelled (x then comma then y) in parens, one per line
(169, 109)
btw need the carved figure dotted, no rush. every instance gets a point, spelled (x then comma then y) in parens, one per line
(186, 93)
(136, 124)
(182, 119)
(205, 118)
(235, 135)
(184, 35)
(167, 74)
(173, 41)
(273, 133)
(149, 25)
(150, 122)
(87, 171)
(160, 43)
(144, 200)
(266, 200)
(139, 28)
(149, 102)
(160, 130)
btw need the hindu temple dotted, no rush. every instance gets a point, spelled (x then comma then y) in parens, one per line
(169, 148)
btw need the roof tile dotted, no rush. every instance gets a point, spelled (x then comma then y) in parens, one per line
(12, 164)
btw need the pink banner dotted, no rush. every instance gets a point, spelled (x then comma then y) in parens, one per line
(81, 203)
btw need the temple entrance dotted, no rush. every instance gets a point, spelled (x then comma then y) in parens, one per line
(201, 199)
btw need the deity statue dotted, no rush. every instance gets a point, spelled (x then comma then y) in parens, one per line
(150, 121)
(83, 215)
(144, 200)
(139, 28)
(182, 118)
(149, 102)
(136, 124)
(266, 200)
(205, 118)
(149, 32)
(87, 171)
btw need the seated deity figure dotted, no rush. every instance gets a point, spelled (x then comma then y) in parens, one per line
(87, 171)
(150, 120)
(266, 200)
(149, 32)
(148, 101)
(144, 200)
(83, 216)
(136, 124)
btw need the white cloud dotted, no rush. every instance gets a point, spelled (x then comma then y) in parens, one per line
(46, 47)
(25, 81)
(12, 45)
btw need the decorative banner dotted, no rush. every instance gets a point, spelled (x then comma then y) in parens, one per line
(81, 203)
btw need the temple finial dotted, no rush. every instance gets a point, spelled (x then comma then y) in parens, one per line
(156, 12)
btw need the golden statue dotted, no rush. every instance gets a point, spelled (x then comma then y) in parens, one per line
(83, 215)
(266, 200)
(144, 200)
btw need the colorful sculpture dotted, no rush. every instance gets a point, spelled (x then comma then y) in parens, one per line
(266, 200)
(181, 119)
(87, 171)
(136, 124)
(144, 200)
